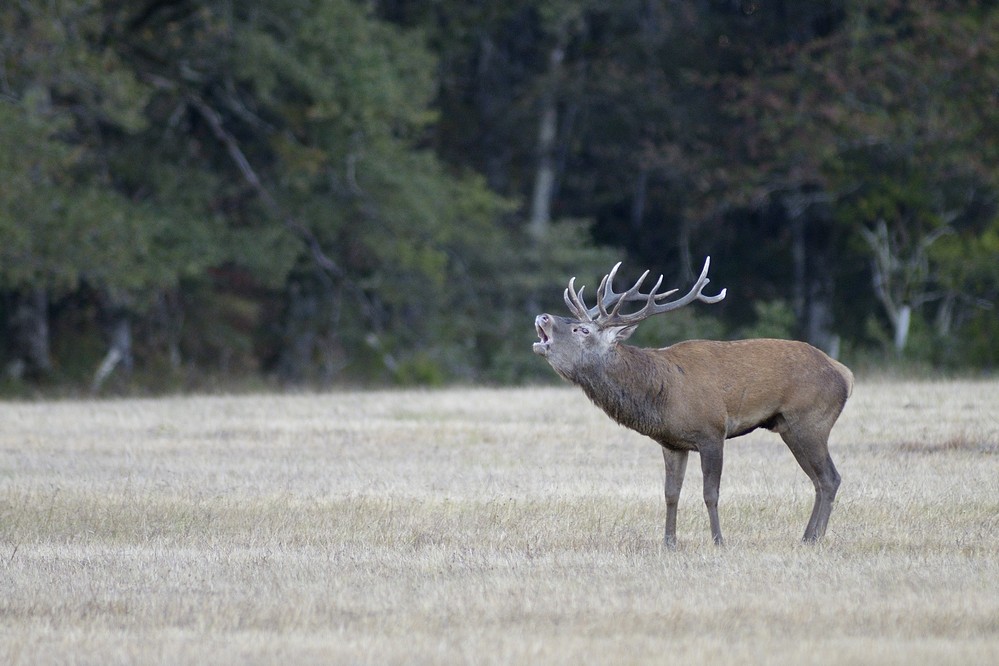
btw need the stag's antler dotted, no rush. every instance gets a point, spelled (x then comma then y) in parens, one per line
(607, 314)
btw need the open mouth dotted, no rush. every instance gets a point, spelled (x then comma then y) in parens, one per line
(544, 341)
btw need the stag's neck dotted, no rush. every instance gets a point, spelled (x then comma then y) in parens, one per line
(626, 386)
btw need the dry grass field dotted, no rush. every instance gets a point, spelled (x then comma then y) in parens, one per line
(487, 526)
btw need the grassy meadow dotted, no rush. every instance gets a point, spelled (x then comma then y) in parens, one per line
(487, 526)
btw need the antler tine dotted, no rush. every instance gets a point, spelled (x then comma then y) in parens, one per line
(702, 282)
(574, 301)
(695, 293)
(607, 287)
(576, 304)
(634, 294)
(607, 298)
(607, 282)
(663, 295)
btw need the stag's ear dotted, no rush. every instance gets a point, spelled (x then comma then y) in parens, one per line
(624, 332)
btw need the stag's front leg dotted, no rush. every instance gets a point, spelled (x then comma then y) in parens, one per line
(711, 466)
(676, 467)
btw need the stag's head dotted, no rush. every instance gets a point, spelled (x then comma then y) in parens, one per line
(574, 344)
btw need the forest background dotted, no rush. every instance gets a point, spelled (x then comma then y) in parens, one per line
(199, 194)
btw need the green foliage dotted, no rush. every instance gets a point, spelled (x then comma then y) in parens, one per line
(421, 370)
(981, 332)
(685, 324)
(327, 189)
(774, 319)
(531, 275)
(59, 226)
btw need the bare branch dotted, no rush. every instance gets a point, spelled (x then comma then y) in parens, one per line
(214, 121)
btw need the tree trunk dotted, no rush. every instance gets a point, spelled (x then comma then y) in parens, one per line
(799, 260)
(819, 312)
(171, 315)
(30, 333)
(638, 199)
(539, 221)
(300, 331)
(945, 314)
(902, 321)
(901, 278)
(544, 180)
(812, 281)
(119, 349)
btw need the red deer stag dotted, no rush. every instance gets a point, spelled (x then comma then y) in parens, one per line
(694, 395)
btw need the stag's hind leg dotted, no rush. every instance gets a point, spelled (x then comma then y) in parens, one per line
(811, 450)
(711, 468)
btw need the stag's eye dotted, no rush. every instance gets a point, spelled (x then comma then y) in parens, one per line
(582, 329)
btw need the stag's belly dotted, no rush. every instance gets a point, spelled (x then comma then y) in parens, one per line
(741, 425)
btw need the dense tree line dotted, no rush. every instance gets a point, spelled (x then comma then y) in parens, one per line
(312, 191)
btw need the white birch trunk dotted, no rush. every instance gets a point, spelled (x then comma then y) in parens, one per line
(544, 180)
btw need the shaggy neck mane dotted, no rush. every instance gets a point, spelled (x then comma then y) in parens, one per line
(620, 385)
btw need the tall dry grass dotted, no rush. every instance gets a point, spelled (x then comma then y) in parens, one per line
(487, 526)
